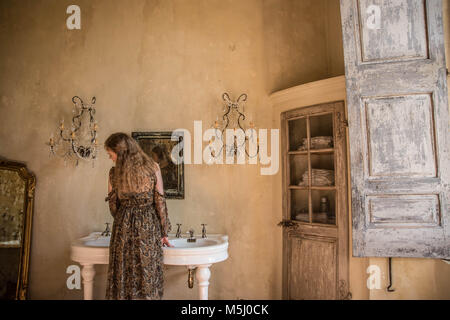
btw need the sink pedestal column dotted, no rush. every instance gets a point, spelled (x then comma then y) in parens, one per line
(203, 274)
(88, 273)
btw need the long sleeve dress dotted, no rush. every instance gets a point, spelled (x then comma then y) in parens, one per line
(141, 219)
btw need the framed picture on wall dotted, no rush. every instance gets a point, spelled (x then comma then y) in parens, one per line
(158, 145)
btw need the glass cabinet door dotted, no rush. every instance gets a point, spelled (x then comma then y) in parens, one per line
(311, 169)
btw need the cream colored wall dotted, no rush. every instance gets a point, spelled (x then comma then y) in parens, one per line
(288, 26)
(335, 46)
(153, 65)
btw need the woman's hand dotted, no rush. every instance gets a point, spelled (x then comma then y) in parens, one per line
(165, 242)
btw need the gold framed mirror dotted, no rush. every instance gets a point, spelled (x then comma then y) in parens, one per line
(17, 186)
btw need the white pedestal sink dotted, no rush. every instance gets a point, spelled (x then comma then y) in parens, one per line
(87, 251)
(199, 255)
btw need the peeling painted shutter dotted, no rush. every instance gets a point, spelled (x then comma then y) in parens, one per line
(398, 127)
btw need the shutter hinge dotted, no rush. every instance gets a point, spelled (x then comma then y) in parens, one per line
(343, 124)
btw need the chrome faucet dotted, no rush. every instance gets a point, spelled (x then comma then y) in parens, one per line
(191, 236)
(107, 232)
(178, 235)
(203, 230)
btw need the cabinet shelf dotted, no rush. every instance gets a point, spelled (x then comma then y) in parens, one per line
(328, 150)
(298, 188)
(312, 188)
(304, 152)
(323, 188)
(314, 224)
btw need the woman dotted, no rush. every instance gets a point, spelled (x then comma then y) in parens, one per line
(141, 222)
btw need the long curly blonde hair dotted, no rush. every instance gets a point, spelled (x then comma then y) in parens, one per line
(133, 165)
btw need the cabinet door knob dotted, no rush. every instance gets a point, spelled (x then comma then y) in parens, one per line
(286, 223)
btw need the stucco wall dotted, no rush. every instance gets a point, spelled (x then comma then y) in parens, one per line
(152, 65)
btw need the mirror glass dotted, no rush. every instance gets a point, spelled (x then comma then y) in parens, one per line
(12, 209)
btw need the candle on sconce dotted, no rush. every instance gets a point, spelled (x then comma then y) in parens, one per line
(74, 136)
(251, 122)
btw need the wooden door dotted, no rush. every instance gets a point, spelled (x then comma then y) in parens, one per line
(398, 127)
(315, 238)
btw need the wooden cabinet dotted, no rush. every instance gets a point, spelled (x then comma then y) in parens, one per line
(315, 213)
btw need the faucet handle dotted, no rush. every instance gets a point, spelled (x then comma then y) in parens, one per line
(178, 234)
(204, 230)
(107, 232)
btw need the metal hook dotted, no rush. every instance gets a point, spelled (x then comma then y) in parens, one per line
(389, 288)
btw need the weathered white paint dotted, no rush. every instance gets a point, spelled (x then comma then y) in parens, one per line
(403, 211)
(402, 33)
(398, 128)
(400, 136)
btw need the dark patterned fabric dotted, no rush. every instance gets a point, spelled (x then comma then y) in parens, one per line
(141, 219)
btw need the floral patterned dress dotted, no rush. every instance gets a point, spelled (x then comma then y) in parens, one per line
(141, 219)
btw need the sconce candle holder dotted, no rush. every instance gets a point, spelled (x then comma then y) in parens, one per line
(234, 112)
(74, 144)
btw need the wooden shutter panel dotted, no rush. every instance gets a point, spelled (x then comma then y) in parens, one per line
(398, 127)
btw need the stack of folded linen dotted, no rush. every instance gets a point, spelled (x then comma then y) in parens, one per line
(321, 142)
(320, 177)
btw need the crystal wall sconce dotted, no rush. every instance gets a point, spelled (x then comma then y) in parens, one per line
(231, 119)
(80, 140)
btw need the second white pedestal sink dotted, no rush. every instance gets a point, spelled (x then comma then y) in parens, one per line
(199, 255)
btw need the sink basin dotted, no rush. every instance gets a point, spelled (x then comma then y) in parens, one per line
(183, 243)
(101, 241)
(92, 249)
(208, 250)
(199, 255)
